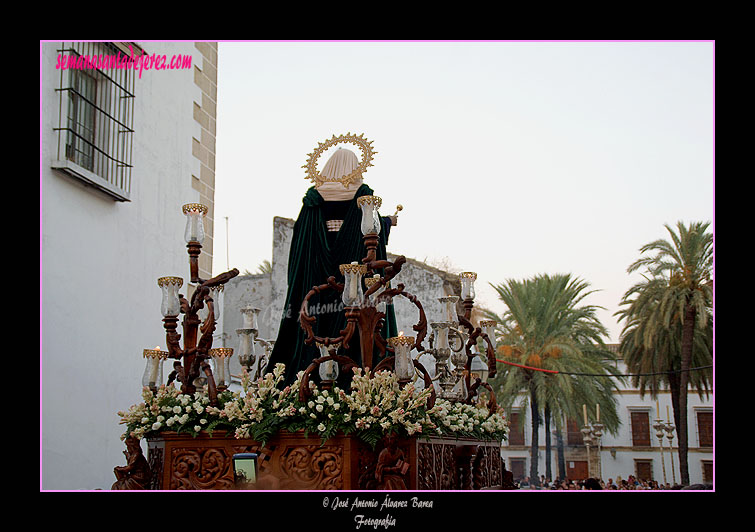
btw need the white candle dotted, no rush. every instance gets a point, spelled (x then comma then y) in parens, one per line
(584, 411)
(597, 411)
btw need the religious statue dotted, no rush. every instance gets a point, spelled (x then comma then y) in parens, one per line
(327, 234)
(136, 474)
(391, 465)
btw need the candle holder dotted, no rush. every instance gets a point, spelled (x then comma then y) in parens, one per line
(328, 369)
(451, 316)
(402, 346)
(171, 305)
(352, 291)
(194, 235)
(221, 356)
(153, 372)
(467, 289)
(191, 366)
(370, 217)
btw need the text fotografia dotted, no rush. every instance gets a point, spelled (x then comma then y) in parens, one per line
(358, 505)
(120, 61)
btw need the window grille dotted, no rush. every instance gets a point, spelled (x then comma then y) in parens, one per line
(95, 129)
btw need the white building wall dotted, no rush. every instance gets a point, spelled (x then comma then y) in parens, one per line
(621, 462)
(100, 303)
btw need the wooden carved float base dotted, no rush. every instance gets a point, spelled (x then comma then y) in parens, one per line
(295, 462)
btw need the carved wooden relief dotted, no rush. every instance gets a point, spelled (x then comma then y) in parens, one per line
(294, 462)
(312, 467)
(200, 469)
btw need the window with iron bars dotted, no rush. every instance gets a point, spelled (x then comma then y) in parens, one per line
(95, 129)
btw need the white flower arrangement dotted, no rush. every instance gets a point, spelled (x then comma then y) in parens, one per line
(374, 406)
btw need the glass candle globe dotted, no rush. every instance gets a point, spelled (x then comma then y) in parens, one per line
(488, 327)
(449, 308)
(402, 346)
(467, 284)
(328, 370)
(153, 372)
(215, 292)
(221, 357)
(370, 217)
(170, 306)
(440, 330)
(246, 347)
(352, 290)
(249, 315)
(195, 213)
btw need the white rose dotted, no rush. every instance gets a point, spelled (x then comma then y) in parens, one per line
(318, 408)
(156, 426)
(197, 428)
(321, 427)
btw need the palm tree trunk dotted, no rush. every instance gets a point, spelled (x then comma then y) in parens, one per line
(560, 453)
(547, 416)
(534, 480)
(674, 386)
(688, 332)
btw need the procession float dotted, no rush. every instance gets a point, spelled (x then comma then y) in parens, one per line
(340, 400)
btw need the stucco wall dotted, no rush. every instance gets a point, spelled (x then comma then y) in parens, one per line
(100, 303)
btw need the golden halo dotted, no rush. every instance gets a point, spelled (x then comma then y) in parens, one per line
(359, 141)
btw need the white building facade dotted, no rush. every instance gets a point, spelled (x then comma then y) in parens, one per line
(634, 450)
(121, 150)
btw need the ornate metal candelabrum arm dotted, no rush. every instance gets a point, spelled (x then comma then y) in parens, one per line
(191, 360)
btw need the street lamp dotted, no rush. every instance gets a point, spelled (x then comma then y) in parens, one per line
(669, 428)
(659, 433)
(592, 433)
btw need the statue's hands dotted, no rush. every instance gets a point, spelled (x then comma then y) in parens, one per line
(394, 217)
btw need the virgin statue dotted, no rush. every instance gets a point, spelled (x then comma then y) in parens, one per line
(327, 234)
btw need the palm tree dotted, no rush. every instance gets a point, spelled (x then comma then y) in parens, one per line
(545, 328)
(667, 310)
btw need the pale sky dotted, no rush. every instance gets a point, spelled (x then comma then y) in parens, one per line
(511, 159)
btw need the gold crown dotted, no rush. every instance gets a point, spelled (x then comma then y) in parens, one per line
(359, 141)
